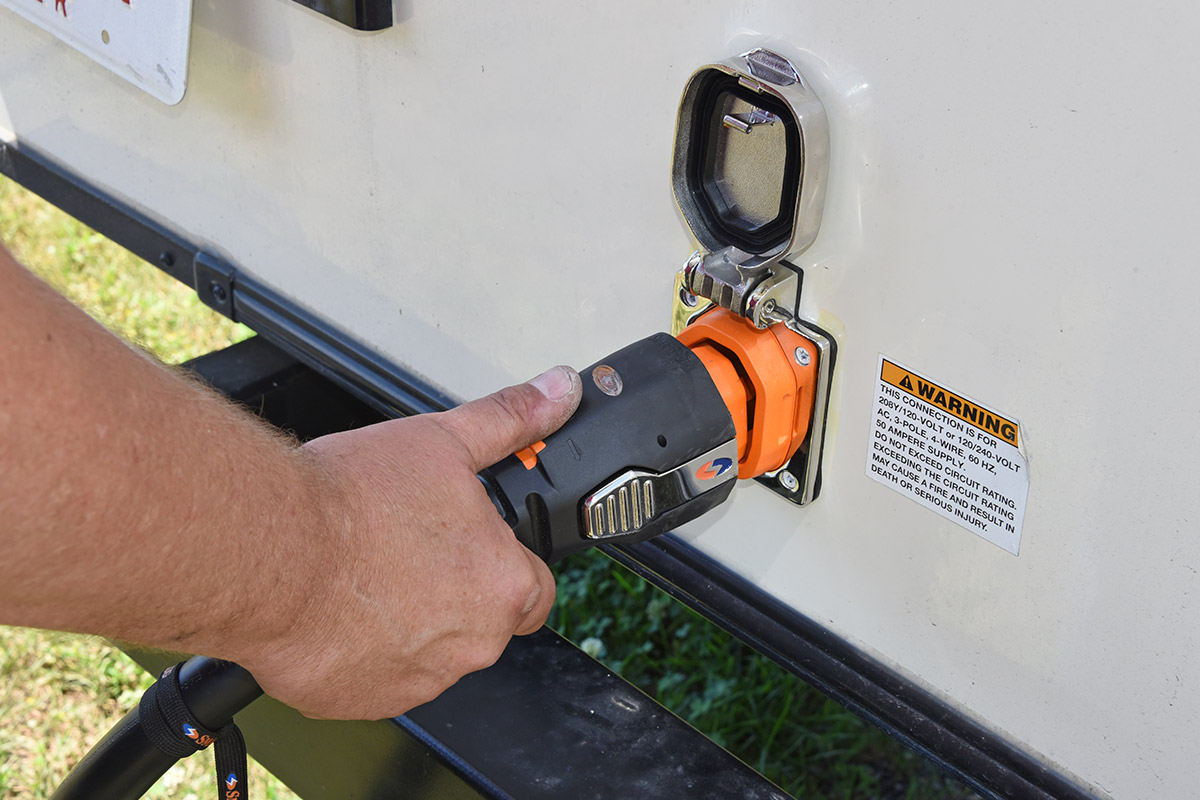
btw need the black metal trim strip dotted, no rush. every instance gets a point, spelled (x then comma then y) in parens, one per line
(989, 763)
(466, 771)
(930, 726)
(120, 222)
(361, 371)
(364, 373)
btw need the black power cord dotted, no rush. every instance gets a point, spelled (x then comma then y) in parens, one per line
(171, 727)
(202, 693)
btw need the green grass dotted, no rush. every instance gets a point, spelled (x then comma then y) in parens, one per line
(131, 298)
(808, 744)
(59, 693)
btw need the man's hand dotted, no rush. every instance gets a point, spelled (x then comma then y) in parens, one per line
(354, 577)
(426, 583)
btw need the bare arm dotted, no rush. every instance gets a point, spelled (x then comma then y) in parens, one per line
(356, 576)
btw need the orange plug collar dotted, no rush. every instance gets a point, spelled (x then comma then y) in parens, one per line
(768, 380)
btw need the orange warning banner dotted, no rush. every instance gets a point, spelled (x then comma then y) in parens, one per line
(946, 400)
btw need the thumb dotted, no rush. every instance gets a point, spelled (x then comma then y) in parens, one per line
(498, 425)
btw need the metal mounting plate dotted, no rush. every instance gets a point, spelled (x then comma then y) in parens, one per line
(799, 480)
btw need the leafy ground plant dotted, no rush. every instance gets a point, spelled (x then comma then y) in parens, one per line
(59, 692)
(808, 744)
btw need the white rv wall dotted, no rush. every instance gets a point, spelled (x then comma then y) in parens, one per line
(484, 190)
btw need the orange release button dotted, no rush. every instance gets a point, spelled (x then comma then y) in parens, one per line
(528, 456)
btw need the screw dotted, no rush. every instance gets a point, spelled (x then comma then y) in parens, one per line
(166, 258)
(687, 298)
(802, 357)
(788, 481)
(607, 380)
(219, 292)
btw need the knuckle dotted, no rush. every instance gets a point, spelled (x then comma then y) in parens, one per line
(422, 691)
(493, 426)
(513, 403)
(545, 601)
(479, 657)
(518, 590)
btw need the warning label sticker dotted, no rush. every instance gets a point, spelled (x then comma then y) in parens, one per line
(949, 453)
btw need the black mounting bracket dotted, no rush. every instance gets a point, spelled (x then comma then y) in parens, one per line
(362, 15)
(213, 280)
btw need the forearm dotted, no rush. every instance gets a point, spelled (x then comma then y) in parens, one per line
(138, 505)
(134, 503)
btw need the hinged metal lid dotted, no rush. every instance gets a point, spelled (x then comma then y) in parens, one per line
(751, 158)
